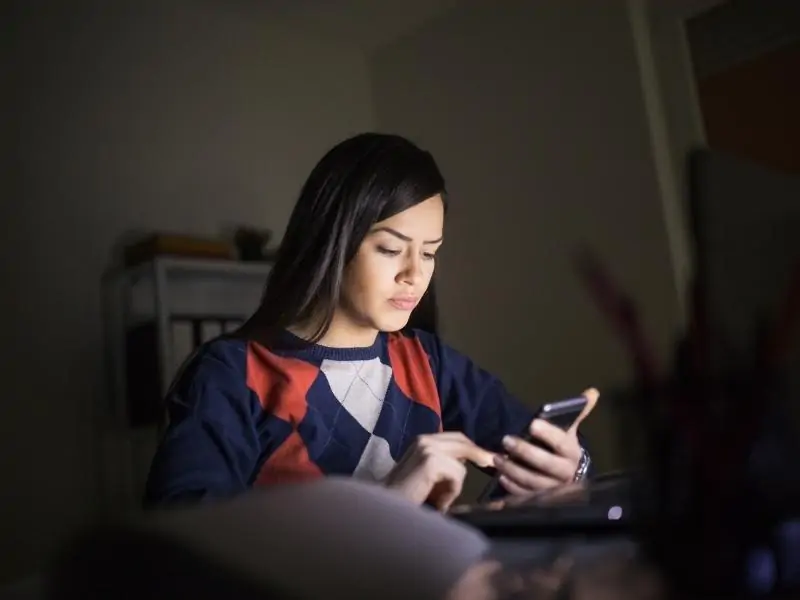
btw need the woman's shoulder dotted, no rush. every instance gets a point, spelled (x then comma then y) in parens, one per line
(221, 362)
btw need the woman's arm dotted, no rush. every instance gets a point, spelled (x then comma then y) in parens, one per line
(473, 400)
(211, 445)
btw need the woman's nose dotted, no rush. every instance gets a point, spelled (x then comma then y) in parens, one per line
(413, 272)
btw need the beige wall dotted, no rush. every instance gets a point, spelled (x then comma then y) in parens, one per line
(536, 115)
(181, 115)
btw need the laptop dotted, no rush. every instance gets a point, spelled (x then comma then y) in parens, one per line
(602, 506)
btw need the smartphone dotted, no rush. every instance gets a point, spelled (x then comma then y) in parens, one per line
(562, 414)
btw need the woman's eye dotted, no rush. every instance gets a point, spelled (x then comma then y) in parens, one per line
(387, 251)
(429, 255)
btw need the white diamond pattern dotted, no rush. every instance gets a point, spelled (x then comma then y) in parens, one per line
(376, 462)
(361, 388)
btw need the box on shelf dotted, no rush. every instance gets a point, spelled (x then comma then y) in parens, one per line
(168, 244)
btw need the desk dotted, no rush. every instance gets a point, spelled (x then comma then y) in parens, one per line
(600, 572)
(583, 541)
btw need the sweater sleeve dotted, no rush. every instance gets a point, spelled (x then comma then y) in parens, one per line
(473, 400)
(211, 446)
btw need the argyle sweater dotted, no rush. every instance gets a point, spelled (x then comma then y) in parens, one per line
(243, 416)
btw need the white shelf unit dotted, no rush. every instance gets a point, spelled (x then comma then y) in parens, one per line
(157, 291)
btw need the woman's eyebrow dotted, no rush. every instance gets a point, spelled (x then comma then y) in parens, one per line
(402, 236)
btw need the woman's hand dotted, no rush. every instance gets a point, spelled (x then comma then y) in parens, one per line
(433, 470)
(529, 468)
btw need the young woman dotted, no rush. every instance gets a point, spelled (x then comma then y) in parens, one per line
(325, 378)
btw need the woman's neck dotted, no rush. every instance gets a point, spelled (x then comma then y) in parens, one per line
(342, 333)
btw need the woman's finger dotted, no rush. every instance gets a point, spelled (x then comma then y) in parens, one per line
(458, 446)
(465, 450)
(522, 477)
(511, 487)
(561, 442)
(449, 475)
(592, 396)
(539, 459)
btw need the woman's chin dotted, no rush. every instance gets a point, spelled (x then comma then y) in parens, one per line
(390, 325)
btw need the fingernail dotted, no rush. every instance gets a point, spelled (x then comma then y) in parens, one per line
(535, 426)
(509, 442)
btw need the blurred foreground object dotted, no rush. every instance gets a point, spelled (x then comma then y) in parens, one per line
(332, 538)
(721, 485)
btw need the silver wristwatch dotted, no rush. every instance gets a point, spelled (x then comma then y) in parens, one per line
(583, 466)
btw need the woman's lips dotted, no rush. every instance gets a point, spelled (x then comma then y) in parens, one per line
(404, 303)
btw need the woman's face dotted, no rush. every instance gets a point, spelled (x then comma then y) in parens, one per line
(392, 269)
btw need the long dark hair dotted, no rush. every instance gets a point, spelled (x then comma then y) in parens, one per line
(360, 181)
